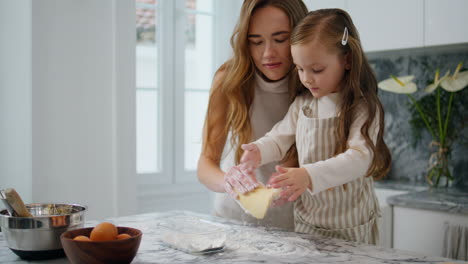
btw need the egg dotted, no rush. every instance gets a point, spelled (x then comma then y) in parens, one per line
(123, 236)
(82, 238)
(104, 232)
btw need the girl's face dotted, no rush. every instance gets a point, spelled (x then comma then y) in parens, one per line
(320, 69)
(268, 38)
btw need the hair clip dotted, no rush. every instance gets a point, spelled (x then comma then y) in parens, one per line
(344, 40)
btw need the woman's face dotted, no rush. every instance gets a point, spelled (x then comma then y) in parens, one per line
(268, 38)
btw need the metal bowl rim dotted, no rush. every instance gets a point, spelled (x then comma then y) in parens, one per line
(85, 208)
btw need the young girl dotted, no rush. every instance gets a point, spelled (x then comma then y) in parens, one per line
(337, 123)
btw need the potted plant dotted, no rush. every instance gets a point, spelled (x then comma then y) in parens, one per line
(440, 112)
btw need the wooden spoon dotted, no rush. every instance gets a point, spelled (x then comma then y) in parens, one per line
(16, 203)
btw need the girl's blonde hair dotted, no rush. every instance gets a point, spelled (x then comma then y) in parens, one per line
(237, 86)
(327, 26)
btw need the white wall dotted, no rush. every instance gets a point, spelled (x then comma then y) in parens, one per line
(76, 107)
(67, 104)
(224, 27)
(15, 96)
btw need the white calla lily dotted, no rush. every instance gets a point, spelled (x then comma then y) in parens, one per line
(431, 87)
(402, 85)
(436, 119)
(457, 81)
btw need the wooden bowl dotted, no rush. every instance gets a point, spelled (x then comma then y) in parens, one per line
(101, 252)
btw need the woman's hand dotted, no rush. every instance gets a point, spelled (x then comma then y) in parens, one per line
(294, 182)
(237, 182)
(250, 159)
(241, 178)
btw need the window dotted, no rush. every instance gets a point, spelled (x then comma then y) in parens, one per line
(178, 50)
(147, 87)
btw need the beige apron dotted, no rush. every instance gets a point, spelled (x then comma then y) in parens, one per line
(347, 212)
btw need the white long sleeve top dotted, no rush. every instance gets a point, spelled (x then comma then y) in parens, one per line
(331, 172)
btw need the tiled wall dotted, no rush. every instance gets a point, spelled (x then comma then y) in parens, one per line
(410, 163)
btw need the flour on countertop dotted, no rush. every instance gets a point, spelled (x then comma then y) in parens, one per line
(192, 235)
(196, 235)
(259, 242)
(193, 242)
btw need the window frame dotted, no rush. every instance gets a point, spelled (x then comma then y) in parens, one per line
(165, 122)
(171, 67)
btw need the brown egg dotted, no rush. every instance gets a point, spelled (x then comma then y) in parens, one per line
(123, 236)
(104, 232)
(82, 238)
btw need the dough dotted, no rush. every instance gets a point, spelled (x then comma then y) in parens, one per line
(258, 201)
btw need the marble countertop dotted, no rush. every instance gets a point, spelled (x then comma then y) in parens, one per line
(421, 196)
(246, 244)
(400, 185)
(450, 200)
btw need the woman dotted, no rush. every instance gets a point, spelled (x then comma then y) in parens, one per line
(250, 93)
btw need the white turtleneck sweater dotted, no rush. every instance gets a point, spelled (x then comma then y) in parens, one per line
(271, 103)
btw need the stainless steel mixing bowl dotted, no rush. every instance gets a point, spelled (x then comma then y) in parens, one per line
(38, 237)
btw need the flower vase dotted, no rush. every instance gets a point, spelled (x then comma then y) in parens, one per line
(438, 169)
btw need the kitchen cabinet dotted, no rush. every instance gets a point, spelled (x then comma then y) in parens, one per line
(386, 220)
(445, 22)
(379, 31)
(401, 24)
(319, 4)
(421, 230)
(386, 25)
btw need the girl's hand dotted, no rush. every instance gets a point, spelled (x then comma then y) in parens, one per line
(283, 197)
(250, 159)
(237, 182)
(294, 182)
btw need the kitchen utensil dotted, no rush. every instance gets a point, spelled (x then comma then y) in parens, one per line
(16, 203)
(101, 252)
(10, 209)
(38, 237)
(210, 251)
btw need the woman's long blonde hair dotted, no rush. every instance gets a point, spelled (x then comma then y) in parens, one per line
(360, 85)
(237, 86)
